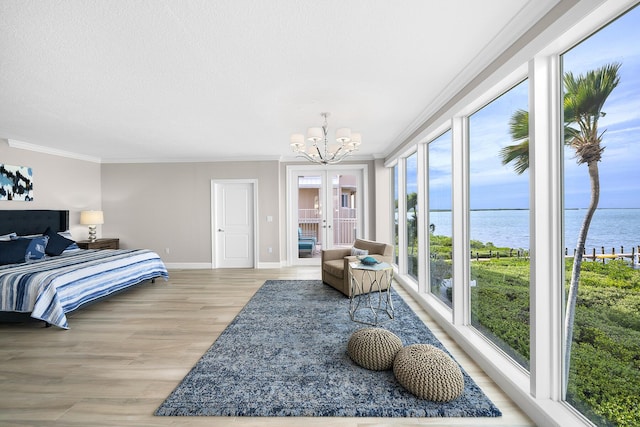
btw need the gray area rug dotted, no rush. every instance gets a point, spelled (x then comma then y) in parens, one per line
(285, 354)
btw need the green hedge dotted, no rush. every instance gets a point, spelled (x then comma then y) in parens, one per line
(500, 304)
(604, 379)
(605, 368)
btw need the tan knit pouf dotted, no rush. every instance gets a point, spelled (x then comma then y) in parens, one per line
(374, 348)
(428, 372)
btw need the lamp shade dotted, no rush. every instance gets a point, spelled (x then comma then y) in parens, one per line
(315, 134)
(343, 135)
(297, 142)
(297, 139)
(91, 218)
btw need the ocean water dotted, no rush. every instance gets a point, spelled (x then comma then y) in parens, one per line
(611, 228)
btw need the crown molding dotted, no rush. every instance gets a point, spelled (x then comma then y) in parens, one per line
(71, 155)
(62, 153)
(53, 151)
(195, 159)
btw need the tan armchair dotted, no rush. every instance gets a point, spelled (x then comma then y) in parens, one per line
(335, 262)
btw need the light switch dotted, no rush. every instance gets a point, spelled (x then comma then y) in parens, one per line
(269, 218)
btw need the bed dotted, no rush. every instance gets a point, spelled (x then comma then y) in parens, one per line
(53, 286)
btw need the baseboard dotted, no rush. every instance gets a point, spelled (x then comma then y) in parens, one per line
(207, 265)
(188, 265)
(269, 265)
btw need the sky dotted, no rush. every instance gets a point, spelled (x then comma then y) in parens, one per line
(619, 181)
(495, 186)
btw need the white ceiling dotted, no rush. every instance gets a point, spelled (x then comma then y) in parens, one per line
(187, 80)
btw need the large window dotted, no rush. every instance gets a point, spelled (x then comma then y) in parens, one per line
(499, 222)
(440, 220)
(570, 261)
(602, 222)
(412, 215)
(395, 214)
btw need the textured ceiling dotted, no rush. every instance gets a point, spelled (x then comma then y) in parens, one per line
(184, 80)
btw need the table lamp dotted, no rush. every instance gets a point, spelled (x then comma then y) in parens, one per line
(91, 218)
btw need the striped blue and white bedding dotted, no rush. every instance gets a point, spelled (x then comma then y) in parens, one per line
(51, 287)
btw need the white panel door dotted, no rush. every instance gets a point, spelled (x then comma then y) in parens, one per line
(233, 225)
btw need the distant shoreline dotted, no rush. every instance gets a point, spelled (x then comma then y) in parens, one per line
(610, 227)
(524, 209)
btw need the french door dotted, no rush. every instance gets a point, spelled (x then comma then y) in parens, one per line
(325, 209)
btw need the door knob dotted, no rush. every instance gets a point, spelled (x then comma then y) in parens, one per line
(221, 230)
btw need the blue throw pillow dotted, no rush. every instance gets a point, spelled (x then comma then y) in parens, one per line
(368, 260)
(13, 251)
(57, 244)
(36, 248)
(67, 234)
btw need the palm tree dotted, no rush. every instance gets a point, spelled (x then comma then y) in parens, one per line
(412, 203)
(518, 153)
(584, 98)
(412, 232)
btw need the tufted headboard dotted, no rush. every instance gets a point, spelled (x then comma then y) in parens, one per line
(25, 222)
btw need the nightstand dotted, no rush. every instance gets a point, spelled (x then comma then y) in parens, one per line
(99, 244)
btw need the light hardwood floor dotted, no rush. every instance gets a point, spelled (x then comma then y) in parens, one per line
(123, 356)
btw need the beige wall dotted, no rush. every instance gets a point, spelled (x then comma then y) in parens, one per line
(58, 183)
(384, 196)
(168, 205)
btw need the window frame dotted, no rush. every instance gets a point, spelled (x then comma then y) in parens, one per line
(539, 393)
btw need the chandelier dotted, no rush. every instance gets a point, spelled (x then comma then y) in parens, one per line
(319, 150)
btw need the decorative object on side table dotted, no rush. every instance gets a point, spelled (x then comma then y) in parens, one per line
(369, 260)
(99, 244)
(92, 218)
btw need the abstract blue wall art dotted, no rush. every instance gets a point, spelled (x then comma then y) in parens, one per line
(16, 183)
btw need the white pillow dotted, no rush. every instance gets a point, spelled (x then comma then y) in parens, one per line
(359, 252)
(66, 234)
